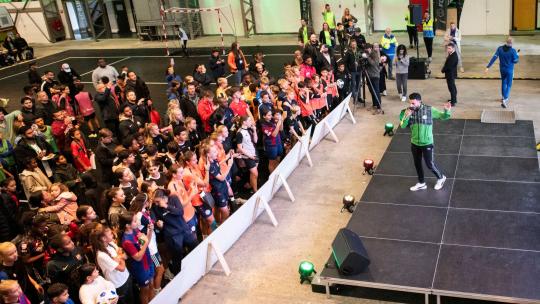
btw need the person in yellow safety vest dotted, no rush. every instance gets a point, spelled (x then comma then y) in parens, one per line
(411, 29)
(429, 34)
(389, 44)
(304, 32)
(329, 17)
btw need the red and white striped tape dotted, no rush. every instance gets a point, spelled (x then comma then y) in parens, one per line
(162, 14)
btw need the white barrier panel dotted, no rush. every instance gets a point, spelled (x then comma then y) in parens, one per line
(347, 109)
(196, 264)
(335, 116)
(182, 282)
(317, 135)
(285, 167)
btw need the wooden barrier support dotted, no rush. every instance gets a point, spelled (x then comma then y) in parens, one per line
(330, 130)
(347, 108)
(264, 203)
(304, 147)
(212, 248)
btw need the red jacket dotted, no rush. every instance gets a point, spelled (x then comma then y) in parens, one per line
(205, 108)
(59, 131)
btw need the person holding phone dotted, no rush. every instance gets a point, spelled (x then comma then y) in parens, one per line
(419, 117)
(218, 180)
(273, 146)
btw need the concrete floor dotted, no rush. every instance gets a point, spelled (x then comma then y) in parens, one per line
(264, 262)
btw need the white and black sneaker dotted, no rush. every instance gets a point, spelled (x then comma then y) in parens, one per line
(440, 183)
(504, 103)
(418, 186)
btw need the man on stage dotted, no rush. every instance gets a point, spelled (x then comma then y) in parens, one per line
(420, 117)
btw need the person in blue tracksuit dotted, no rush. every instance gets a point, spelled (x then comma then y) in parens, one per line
(170, 215)
(508, 56)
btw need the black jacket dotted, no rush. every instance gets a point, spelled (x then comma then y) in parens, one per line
(450, 66)
(203, 79)
(141, 111)
(343, 80)
(139, 87)
(8, 218)
(311, 50)
(322, 38)
(104, 161)
(323, 63)
(66, 78)
(129, 127)
(189, 109)
(20, 43)
(23, 151)
(45, 111)
(360, 40)
(218, 70)
(107, 105)
(66, 174)
(352, 61)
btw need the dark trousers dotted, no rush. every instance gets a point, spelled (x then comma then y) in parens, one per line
(413, 35)
(429, 46)
(427, 153)
(356, 81)
(382, 79)
(176, 247)
(125, 292)
(375, 91)
(451, 83)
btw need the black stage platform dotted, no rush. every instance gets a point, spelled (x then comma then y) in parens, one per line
(477, 238)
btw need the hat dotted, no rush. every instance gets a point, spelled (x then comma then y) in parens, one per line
(66, 67)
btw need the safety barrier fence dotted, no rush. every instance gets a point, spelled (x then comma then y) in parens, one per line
(211, 250)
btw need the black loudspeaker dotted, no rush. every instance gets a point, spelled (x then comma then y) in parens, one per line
(415, 11)
(349, 253)
(418, 68)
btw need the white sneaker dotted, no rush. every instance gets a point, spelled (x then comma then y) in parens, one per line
(384, 93)
(504, 103)
(440, 183)
(403, 98)
(400, 96)
(418, 186)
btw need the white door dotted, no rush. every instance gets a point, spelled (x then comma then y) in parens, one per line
(498, 17)
(473, 18)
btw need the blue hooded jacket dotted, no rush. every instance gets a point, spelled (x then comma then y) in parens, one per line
(507, 55)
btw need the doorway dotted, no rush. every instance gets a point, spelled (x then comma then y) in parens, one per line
(120, 12)
(525, 15)
(78, 19)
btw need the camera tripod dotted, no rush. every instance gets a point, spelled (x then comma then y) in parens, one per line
(360, 96)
